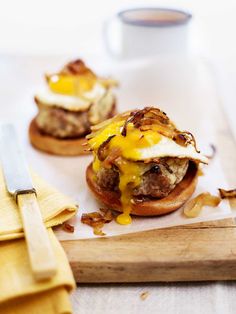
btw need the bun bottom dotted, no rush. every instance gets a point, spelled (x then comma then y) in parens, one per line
(153, 207)
(56, 146)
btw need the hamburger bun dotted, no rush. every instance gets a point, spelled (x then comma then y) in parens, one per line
(56, 146)
(153, 207)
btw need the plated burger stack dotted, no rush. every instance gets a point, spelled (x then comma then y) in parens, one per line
(142, 163)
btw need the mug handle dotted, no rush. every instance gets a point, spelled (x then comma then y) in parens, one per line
(112, 37)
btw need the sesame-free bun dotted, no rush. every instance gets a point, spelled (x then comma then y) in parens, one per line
(153, 207)
(56, 146)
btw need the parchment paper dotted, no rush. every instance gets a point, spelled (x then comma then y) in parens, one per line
(212, 179)
(183, 88)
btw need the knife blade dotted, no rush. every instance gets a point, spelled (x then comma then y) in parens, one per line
(20, 186)
(15, 170)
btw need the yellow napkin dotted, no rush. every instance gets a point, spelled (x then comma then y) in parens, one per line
(19, 292)
(55, 207)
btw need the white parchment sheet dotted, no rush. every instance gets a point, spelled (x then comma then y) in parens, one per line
(183, 88)
(212, 179)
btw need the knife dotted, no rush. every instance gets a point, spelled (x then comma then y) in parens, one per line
(19, 185)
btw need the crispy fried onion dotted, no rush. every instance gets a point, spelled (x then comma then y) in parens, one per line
(103, 149)
(227, 193)
(151, 118)
(96, 220)
(76, 67)
(185, 138)
(114, 155)
(193, 207)
(145, 118)
(68, 227)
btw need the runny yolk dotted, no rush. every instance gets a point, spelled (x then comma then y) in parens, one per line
(130, 171)
(129, 179)
(133, 141)
(71, 85)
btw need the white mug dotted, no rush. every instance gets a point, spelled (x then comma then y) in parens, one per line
(142, 32)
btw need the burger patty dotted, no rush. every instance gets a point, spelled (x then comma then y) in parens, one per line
(158, 181)
(162, 178)
(63, 123)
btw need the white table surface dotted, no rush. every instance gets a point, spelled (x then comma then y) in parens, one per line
(28, 27)
(166, 298)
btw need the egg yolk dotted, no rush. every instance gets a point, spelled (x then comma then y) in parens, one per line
(129, 179)
(130, 171)
(129, 144)
(72, 85)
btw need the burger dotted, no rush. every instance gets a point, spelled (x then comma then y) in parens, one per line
(72, 101)
(143, 165)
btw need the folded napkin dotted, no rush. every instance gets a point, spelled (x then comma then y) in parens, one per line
(19, 292)
(55, 207)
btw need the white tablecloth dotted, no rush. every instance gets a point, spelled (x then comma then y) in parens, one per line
(166, 298)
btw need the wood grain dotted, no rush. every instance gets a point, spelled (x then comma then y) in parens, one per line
(41, 255)
(192, 253)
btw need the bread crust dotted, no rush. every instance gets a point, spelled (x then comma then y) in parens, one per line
(153, 207)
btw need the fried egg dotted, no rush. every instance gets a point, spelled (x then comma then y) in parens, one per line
(140, 145)
(70, 102)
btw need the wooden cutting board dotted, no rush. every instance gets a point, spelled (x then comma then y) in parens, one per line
(199, 252)
(205, 251)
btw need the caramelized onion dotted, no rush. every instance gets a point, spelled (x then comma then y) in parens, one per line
(193, 207)
(147, 117)
(76, 67)
(96, 220)
(67, 227)
(185, 138)
(103, 149)
(114, 154)
(158, 128)
(227, 193)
